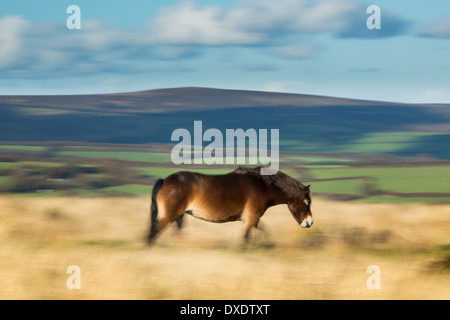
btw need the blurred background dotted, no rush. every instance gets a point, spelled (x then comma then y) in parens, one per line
(85, 131)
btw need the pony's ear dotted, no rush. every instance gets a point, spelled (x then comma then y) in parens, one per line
(307, 192)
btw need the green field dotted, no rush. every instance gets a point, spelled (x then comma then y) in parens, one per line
(89, 170)
(379, 142)
(134, 189)
(403, 179)
(306, 160)
(400, 200)
(24, 147)
(4, 181)
(352, 187)
(126, 156)
(8, 165)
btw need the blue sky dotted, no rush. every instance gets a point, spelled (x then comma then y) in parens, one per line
(301, 46)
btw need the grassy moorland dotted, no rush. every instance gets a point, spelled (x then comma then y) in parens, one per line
(104, 237)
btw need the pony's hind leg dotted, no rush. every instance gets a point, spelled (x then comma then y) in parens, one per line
(159, 219)
(167, 205)
(157, 225)
(167, 213)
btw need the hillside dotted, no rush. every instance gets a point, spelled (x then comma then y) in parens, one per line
(121, 143)
(307, 123)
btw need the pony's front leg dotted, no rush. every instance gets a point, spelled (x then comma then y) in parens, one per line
(251, 220)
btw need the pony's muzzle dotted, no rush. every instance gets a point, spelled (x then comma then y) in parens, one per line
(307, 222)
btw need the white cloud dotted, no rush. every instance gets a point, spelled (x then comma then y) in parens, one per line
(253, 21)
(186, 23)
(284, 86)
(11, 44)
(439, 28)
(36, 50)
(297, 16)
(30, 49)
(327, 16)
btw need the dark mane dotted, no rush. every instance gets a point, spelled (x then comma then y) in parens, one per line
(290, 187)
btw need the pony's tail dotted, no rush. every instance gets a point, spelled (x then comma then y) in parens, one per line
(154, 211)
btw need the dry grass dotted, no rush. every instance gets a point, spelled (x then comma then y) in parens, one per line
(41, 237)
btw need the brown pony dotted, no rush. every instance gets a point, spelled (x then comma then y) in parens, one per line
(243, 194)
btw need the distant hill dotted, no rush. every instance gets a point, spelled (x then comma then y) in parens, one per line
(306, 122)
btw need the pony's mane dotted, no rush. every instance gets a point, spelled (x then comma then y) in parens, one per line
(289, 186)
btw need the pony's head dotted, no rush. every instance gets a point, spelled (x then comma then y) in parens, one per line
(301, 208)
